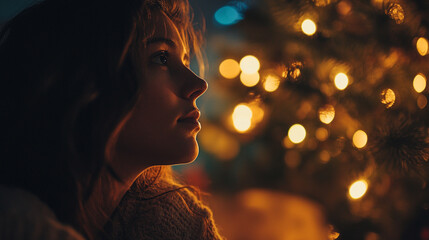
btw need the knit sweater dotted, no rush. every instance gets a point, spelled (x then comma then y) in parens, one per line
(163, 212)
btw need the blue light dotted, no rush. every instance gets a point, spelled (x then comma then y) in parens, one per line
(227, 15)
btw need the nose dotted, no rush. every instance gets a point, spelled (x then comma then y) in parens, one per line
(193, 86)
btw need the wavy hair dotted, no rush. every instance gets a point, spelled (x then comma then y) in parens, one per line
(70, 75)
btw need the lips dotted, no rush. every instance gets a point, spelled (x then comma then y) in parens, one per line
(191, 119)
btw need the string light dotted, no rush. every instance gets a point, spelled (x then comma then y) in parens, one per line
(249, 64)
(422, 46)
(326, 114)
(341, 81)
(419, 83)
(388, 97)
(272, 82)
(229, 68)
(249, 80)
(296, 133)
(242, 118)
(358, 189)
(308, 27)
(360, 139)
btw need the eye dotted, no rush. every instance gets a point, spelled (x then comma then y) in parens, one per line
(160, 58)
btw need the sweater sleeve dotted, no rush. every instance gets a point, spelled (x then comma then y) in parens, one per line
(23, 216)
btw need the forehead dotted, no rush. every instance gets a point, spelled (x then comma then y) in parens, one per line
(165, 28)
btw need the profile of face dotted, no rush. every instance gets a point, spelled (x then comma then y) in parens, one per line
(163, 126)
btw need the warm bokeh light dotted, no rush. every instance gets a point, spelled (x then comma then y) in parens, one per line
(422, 46)
(360, 139)
(326, 114)
(296, 133)
(388, 97)
(358, 189)
(249, 64)
(324, 156)
(229, 68)
(308, 27)
(322, 134)
(341, 81)
(419, 83)
(257, 113)
(422, 101)
(396, 12)
(242, 118)
(218, 142)
(249, 80)
(271, 83)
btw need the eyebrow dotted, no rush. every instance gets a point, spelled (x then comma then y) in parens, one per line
(161, 40)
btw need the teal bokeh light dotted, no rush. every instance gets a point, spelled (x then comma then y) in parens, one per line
(227, 15)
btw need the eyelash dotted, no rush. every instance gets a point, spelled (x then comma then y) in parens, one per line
(160, 58)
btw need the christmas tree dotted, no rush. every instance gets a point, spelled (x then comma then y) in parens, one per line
(324, 99)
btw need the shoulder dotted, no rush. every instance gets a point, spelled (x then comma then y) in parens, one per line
(24, 216)
(171, 212)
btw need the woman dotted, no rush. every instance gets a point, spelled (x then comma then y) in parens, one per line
(97, 100)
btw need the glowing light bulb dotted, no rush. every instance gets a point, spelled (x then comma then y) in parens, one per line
(419, 83)
(249, 64)
(360, 139)
(326, 114)
(229, 68)
(341, 81)
(422, 46)
(242, 118)
(296, 133)
(308, 27)
(272, 82)
(358, 189)
(388, 97)
(249, 80)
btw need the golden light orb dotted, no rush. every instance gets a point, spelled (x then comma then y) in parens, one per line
(322, 134)
(341, 81)
(388, 97)
(422, 46)
(358, 189)
(296, 133)
(419, 83)
(326, 114)
(308, 27)
(271, 83)
(249, 80)
(229, 68)
(396, 12)
(249, 64)
(242, 118)
(360, 139)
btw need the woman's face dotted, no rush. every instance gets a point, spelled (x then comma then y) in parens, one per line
(163, 127)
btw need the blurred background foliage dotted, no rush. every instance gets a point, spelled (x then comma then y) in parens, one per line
(315, 124)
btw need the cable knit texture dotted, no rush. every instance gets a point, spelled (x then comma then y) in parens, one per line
(162, 212)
